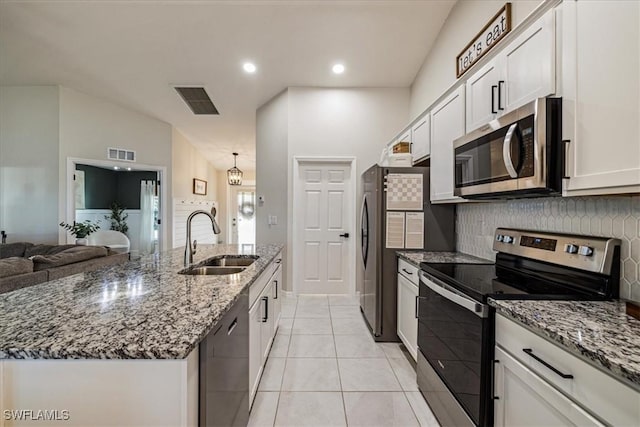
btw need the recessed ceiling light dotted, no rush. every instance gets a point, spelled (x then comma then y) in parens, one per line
(249, 67)
(128, 169)
(116, 167)
(338, 69)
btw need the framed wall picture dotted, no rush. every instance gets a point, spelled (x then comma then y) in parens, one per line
(199, 187)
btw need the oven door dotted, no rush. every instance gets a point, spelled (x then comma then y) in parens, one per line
(509, 154)
(455, 338)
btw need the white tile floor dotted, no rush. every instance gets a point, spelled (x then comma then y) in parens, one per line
(325, 370)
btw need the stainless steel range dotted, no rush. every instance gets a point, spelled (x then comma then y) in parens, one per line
(456, 325)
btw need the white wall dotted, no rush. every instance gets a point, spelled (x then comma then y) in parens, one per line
(355, 122)
(438, 72)
(89, 125)
(29, 163)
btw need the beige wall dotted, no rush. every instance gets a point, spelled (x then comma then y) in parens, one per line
(188, 163)
(29, 128)
(438, 72)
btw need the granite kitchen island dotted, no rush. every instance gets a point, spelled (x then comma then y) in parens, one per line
(118, 346)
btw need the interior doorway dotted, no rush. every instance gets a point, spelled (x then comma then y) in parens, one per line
(323, 253)
(97, 190)
(242, 215)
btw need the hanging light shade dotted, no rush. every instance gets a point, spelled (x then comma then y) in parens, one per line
(234, 175)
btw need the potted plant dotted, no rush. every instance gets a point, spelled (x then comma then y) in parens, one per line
(80, 230)
(118, 218)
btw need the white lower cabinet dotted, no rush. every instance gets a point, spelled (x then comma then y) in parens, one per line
(538, 383)
(407, 321)
(525, 399)
(406, 311)
(264, 315)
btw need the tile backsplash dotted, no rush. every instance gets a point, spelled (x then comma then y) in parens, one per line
(610, 216)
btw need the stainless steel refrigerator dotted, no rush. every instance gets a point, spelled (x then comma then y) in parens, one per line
(392, 195)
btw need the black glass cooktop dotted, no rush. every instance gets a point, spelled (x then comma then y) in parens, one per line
(481, 281)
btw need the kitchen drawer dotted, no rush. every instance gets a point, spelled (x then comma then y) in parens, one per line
(408, 270)
(265, 278)
(609, 399)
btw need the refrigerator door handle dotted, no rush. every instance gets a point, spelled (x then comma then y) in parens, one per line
(364, 231)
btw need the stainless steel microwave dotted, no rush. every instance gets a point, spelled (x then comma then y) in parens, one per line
(520, 154)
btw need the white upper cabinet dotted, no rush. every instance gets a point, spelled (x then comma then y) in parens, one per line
(523, 71)
(601, 96)
(528, 65)
(482, 92)
(421, 138)
(447, 124)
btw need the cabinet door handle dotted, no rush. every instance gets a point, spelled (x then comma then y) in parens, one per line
(493, 98)
(408, 272)
(276, 287)
(493, 380)
(278, 261)
(232, 326)
(556, 371)
(266, 309)
(417, 302)
(500, 83)
(566, 143)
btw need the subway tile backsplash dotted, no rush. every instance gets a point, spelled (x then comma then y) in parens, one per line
(610, 216)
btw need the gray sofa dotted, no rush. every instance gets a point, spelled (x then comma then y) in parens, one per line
(25, 264)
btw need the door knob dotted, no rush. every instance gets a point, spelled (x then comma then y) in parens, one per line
(346, 235)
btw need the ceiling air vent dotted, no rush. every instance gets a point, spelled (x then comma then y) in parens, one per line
(197, 99)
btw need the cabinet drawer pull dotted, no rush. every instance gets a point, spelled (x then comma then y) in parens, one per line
(530, 353)
(278, 261)
(232, 326)
(276, 287)
(408, 272)
(265, 300)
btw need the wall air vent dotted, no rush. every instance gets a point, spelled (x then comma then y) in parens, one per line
(197, 99)
(121, 154)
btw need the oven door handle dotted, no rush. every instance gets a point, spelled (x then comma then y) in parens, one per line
(506, 151)
(479, 309)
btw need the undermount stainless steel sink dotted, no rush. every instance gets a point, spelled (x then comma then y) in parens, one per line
(211, 271)
(231, 261)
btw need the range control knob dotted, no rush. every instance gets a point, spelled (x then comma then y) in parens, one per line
(507, 239)
(571, 249)
(499, 237)
(585, 250)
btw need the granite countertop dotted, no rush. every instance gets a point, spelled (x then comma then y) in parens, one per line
(142, 309)
(599, 331)
(416, 257)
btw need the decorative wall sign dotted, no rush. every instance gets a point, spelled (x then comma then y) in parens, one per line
(498, 27)
(199, 186)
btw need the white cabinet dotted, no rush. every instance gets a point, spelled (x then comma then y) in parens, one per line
(525, 399)
(276, 297)
(523, 71)
(407, 321)
(421, 138)
(264, 315)
(601, 96)
(447, 124)
(405, 137)
(539, 383)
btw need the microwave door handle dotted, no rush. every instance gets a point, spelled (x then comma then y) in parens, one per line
(506, 151)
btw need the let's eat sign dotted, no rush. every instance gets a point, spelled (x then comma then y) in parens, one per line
(487, 38)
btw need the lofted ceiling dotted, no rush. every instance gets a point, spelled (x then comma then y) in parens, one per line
(131, 53)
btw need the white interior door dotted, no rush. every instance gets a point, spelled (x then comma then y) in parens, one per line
(242, 215)
(324, 227)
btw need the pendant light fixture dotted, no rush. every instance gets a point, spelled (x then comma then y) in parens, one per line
(234, 175)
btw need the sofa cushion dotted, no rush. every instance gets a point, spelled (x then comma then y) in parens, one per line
(46, 249)
(8, 284)
(14, 249)
(68, 256)
(14, 266)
